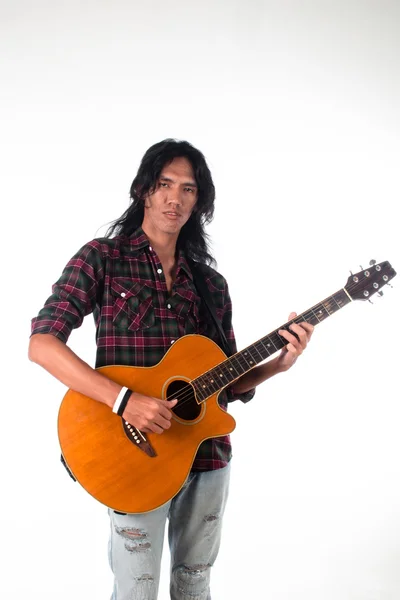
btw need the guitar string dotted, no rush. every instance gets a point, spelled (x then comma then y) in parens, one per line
(186, 394)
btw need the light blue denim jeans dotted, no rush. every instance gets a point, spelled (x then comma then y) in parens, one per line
(194, 533)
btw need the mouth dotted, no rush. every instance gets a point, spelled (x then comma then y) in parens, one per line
(172, 215)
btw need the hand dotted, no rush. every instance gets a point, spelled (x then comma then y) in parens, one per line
(296, 345)
(149, 414)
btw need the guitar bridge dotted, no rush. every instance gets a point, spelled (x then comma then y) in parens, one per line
(138, 439)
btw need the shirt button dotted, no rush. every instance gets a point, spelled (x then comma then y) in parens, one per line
(123, 294)
(159, 270)
(172, 341)
(150, 248)
(168, 306)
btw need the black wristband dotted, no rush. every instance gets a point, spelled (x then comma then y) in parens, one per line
(124, 402)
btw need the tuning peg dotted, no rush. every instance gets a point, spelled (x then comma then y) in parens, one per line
(372, 262)
(380, 293)
(370, 301)
(351, 273)
(362, 268)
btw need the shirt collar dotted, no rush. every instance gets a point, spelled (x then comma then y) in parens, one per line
(138, 240)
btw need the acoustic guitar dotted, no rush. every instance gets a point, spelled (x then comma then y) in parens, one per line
(133, 472)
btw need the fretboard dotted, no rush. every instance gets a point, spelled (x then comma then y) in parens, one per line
(240, 363)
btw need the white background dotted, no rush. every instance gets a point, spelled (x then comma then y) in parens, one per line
(296, 108)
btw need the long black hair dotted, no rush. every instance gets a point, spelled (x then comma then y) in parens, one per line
(192, 238)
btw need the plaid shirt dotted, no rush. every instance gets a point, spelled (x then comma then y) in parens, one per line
(121, 281)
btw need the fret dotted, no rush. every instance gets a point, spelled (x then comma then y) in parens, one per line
(222, 374)
(255, 359)
(213, 381)
(336, 301)
(323, 313)
(203, 389)
(207, 383)
(258, 352)
(311, 318)
(279, 342)
(200, 393)
(237, 364)
(319, 313)
(316, 316)
(232, 367)
(341, 298)
(247, 358)
(302, 317)
(269, 345)
(266, 348)
(272, 342)
(265, 352)
(327, 309)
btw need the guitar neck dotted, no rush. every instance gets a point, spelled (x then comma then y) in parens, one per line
(240, 363)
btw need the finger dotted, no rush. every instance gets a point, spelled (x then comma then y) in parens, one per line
(294, 352)
(162, 422)
(169, 403)
(308, 328)
(166, 411)
(289, 337)
(305, 325)
(155, 428)
(299, 331)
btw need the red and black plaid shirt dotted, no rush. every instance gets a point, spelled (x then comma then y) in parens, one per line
(121, 281)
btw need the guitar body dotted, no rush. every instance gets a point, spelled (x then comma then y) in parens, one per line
(104, 457)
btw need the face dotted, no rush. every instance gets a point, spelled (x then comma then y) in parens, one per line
(167, 209)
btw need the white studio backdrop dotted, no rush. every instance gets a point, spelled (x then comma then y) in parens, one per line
(296, 108)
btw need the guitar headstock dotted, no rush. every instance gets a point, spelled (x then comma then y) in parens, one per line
(365, 283)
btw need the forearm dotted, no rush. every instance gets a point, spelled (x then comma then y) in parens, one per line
(256, 376)
(58, 359)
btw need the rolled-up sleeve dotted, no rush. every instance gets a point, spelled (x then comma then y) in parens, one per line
(230, 335)
(74, 295)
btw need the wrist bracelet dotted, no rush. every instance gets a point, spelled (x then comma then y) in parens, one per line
(122, 400)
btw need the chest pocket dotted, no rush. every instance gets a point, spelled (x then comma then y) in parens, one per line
(132, 305)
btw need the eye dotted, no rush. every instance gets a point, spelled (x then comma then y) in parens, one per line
(163, 184)
(190, 190)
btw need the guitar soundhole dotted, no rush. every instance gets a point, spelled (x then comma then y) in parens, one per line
(187, 407)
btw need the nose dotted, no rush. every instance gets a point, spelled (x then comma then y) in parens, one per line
(174, 197)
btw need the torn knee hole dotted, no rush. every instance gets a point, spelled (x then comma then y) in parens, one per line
(136, 540)
(196, 568)
(130, 533)
(145, 577)
(192, 572)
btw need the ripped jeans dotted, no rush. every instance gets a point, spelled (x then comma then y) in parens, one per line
(194, 534)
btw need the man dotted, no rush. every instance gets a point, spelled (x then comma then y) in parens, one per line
(140, 288)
